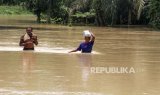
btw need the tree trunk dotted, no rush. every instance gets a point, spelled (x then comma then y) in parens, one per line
(129, 17)
(100, 19)
(69, 17)
(49, 11)
(38, 17)
(48, 18)
(130, 12)
(97, 20)
(113, 20)
(120, 20)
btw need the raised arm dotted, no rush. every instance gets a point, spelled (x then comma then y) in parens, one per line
(93, 37)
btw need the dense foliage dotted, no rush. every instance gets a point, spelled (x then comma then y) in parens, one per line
(13, 10)
(154, 13)
(97, 12)
(12, 2)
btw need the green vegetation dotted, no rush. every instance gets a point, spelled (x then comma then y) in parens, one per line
(97, 12)
(13, 10)
(50, 9)
(154, 13)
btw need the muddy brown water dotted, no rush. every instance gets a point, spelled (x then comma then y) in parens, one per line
(50, 70)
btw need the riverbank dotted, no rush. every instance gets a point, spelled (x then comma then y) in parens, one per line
(18, 15)
(23, 21)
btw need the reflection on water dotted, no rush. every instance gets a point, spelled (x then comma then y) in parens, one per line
(28, 60)
(85, 62)
(50, 70)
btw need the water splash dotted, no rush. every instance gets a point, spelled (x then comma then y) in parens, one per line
(58, 50)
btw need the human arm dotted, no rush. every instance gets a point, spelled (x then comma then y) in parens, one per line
(35, 41)
(21, 42)
(93, 37)
(75, 50)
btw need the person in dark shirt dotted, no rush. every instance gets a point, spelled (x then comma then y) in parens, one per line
(87, 45)
(28, 40)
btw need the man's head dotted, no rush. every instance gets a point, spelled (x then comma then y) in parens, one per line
(29, 31)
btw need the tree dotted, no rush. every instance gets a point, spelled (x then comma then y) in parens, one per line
(106, 11)
(154, 13)
(50, 8)
(37, 7)
(99, 12)
(135, 7)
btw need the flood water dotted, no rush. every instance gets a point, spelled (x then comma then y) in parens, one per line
(51, 70)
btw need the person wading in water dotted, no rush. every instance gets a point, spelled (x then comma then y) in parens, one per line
(28, 40)
(86, 46)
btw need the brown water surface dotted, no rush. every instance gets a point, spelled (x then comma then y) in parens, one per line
(50, 70)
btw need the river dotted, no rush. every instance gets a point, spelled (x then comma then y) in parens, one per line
(124, 61)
